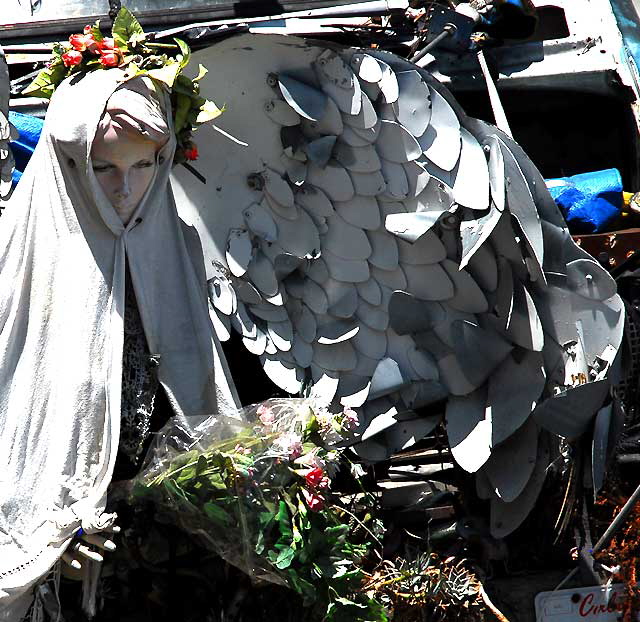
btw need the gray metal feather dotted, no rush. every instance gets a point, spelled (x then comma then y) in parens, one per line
(391, 253)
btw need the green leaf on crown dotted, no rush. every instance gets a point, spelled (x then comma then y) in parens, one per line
(96, 32)
(126, 30)
(202, 72)
(185, 53)
(208, 112)
(46, 81)
(167, 74)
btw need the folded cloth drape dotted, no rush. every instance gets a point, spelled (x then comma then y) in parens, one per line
(62, 270)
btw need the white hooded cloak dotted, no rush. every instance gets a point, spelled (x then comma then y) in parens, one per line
(62, 271)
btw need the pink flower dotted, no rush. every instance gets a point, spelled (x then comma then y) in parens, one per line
(315, 501)
(246, 451)
(316, 478)
(109, 59)
(71, 58)
(265, 415)
(289, 444)
(350, 418)
(311, 459)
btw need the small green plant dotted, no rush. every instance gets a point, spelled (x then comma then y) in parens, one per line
(424, 586)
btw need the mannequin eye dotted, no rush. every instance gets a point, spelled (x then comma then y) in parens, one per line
(101, 168)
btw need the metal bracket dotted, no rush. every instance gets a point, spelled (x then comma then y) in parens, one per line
(114, 7)
(459, 26)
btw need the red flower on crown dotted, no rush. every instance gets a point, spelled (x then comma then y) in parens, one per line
(106, 44)
(191, 152)
(84, 41)
(78, 42)
(109, 58)
(72, 58)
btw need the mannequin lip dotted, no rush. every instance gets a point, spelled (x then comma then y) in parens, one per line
(125, 211)
(121, 210)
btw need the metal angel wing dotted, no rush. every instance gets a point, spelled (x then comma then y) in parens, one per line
(377, 247)
(7, 131)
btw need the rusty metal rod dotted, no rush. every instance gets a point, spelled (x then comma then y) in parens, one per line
(616, 523)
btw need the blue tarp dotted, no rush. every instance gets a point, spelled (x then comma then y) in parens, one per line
(29, 128)
(590, 202)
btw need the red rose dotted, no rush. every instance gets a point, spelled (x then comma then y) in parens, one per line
(313, 500)
(106, 44)
(191, 152)
(314, 477)
(71, 58)
(92, 44)
(109, 59)
(78, 42)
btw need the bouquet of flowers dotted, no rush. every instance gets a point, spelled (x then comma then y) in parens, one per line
(258, 490)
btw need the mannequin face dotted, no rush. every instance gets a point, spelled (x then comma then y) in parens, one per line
(124, 164)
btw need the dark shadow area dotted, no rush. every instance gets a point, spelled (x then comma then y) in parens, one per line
(552, 24)
(567, 132)
(252, 383)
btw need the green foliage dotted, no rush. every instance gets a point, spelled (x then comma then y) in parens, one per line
(96, 32)
(127, 31)
(208, 111)
(249, 498)
(185, 53)
(46, 81)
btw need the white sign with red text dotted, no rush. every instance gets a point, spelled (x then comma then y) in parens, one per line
(600, 604)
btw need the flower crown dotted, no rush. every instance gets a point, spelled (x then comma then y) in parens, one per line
(130, 49)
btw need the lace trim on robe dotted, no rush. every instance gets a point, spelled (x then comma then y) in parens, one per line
(139, 382)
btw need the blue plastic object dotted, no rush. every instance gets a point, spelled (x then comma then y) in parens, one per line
(590, 202)
(30, 129)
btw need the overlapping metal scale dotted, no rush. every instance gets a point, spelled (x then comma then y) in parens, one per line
(391, 253)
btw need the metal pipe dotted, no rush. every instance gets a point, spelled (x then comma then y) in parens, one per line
(449, 30)
(496, 104)
(616, 523)
(375, 7)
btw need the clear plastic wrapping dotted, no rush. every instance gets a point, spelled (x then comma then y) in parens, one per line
(257, 490)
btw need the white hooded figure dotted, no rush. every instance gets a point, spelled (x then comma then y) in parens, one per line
(94, 207)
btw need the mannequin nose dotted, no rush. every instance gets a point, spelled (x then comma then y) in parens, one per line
(123, 189)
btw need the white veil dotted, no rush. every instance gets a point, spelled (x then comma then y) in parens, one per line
(62, 270)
